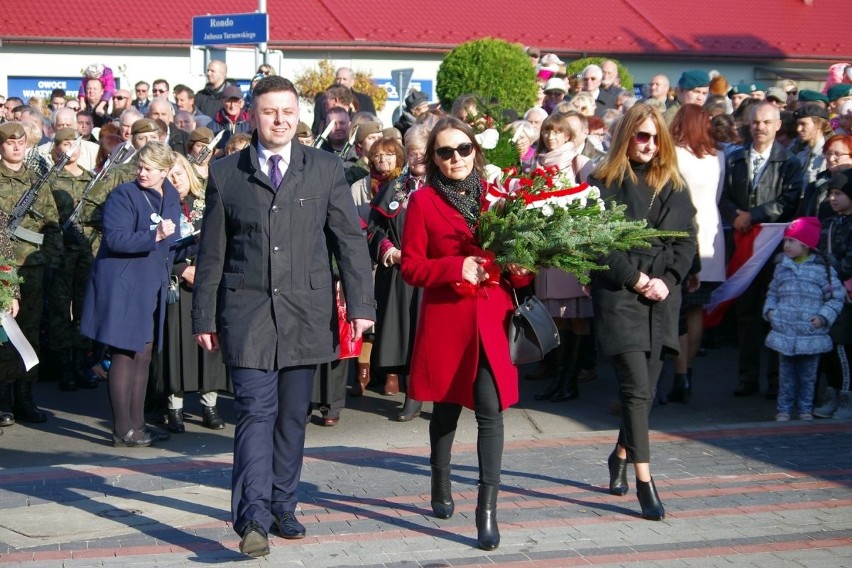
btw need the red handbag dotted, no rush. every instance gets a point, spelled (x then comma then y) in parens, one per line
(348, 348)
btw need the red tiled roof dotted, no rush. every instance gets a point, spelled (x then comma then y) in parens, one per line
(776, 29)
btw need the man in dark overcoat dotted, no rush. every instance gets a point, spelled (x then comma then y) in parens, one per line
(276, 213)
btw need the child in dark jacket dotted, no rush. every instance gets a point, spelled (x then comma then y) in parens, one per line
(804, 298)
(836, 244)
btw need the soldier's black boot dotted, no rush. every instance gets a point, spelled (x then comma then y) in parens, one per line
(25, 407)
(7, 417)
(67, 380)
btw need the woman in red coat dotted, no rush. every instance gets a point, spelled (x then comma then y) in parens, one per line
(461, 349)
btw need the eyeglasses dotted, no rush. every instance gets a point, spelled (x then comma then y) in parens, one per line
(589, 79)
(158, 90)
(645, 137)
(554, 94)
(838, 155)
(446, 152)
(118, 98)
(384, 157)
(793, 92)
(72, 107)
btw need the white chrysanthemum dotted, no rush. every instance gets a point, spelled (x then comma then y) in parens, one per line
(547, 210)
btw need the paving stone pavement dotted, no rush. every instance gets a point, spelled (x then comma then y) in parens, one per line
(738, 491)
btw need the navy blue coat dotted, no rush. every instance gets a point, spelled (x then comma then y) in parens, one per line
(128, 284)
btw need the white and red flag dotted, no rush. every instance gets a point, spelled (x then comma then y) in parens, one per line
(752, 250)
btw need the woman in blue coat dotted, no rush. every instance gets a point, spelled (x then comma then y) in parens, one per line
(125, 300)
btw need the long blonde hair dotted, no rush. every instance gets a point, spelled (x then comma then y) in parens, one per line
(663, 167)
(195, 187)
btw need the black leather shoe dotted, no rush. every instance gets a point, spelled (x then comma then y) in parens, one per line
(211, 419)
(175, 423)
(652, 508)
(746, 389)
(156, 434)
(25, 408)
(287, 526)
(127, 441)
(617, 474)
(6, 419)
(255, 542)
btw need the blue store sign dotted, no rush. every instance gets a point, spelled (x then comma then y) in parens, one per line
(26, 87)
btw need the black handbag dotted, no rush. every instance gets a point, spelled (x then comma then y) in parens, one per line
(532, 331)
(173, 292)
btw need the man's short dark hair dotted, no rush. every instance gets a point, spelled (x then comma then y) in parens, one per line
(180, 88)
(138, 83)
(85, 112)
(18, 100)
(273, 83)
(158, 81)
(57, 93)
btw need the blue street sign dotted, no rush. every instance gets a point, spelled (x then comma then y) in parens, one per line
(230, 29)
(392, 88)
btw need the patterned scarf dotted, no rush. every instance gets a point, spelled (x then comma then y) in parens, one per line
(461, 194)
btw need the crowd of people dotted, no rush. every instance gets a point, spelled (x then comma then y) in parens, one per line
(207, 242)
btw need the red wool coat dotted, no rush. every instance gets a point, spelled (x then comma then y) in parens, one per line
(451, 326)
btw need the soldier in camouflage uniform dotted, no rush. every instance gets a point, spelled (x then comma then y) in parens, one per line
(68, 287)
(16, 395)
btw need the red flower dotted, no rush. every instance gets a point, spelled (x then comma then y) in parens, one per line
(6, 268)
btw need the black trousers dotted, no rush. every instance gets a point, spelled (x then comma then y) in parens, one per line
(489, 422)
(752, 330)
(638, 375)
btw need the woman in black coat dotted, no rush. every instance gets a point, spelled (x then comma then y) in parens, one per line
(396, 301)
(636, 300)
(125, 300)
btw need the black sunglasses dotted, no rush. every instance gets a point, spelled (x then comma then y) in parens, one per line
(464, 150)
(645, 137)
(120, 98)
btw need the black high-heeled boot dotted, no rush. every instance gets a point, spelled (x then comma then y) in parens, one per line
(617, 474)
(487, 532)
(569, 389)
(442, 493)
(561, 375)
(652, 508)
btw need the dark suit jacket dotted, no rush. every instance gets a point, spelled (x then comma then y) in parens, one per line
(776, 196)
(365, 104)
(264, 272)
(131, 273)
(607, 98)
(178, 139)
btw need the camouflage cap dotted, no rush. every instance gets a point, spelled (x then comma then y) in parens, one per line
(64, 134)
(200, 134)
(11, 130)
(144, 125)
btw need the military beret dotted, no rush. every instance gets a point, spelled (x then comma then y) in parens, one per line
(64, 134)
(11, 130)
(756, 86)
(200, 134)
(777, 93)
(839, 90)
(303, 130)
(842, 180)
(367, 128)
(144, 125)
(738, 89)
(232, 92)
(806, 111)
(808, 96)
(694, 79)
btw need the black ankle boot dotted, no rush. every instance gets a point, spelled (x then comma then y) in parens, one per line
(681, 388)
(567, 388)
(210, 418)
(7, 417)
(617, 474)
(551, 389)
(410, 410)
(442, 493)
(652, 508)
(487, 532)
(25, 408)
(175, 423)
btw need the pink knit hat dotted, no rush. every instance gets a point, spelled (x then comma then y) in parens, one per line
(805, 230)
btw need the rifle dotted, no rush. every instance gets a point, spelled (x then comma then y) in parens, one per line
(119, 155)
(324, 136)
(206, 151)
(348, 145)
(25, 203)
